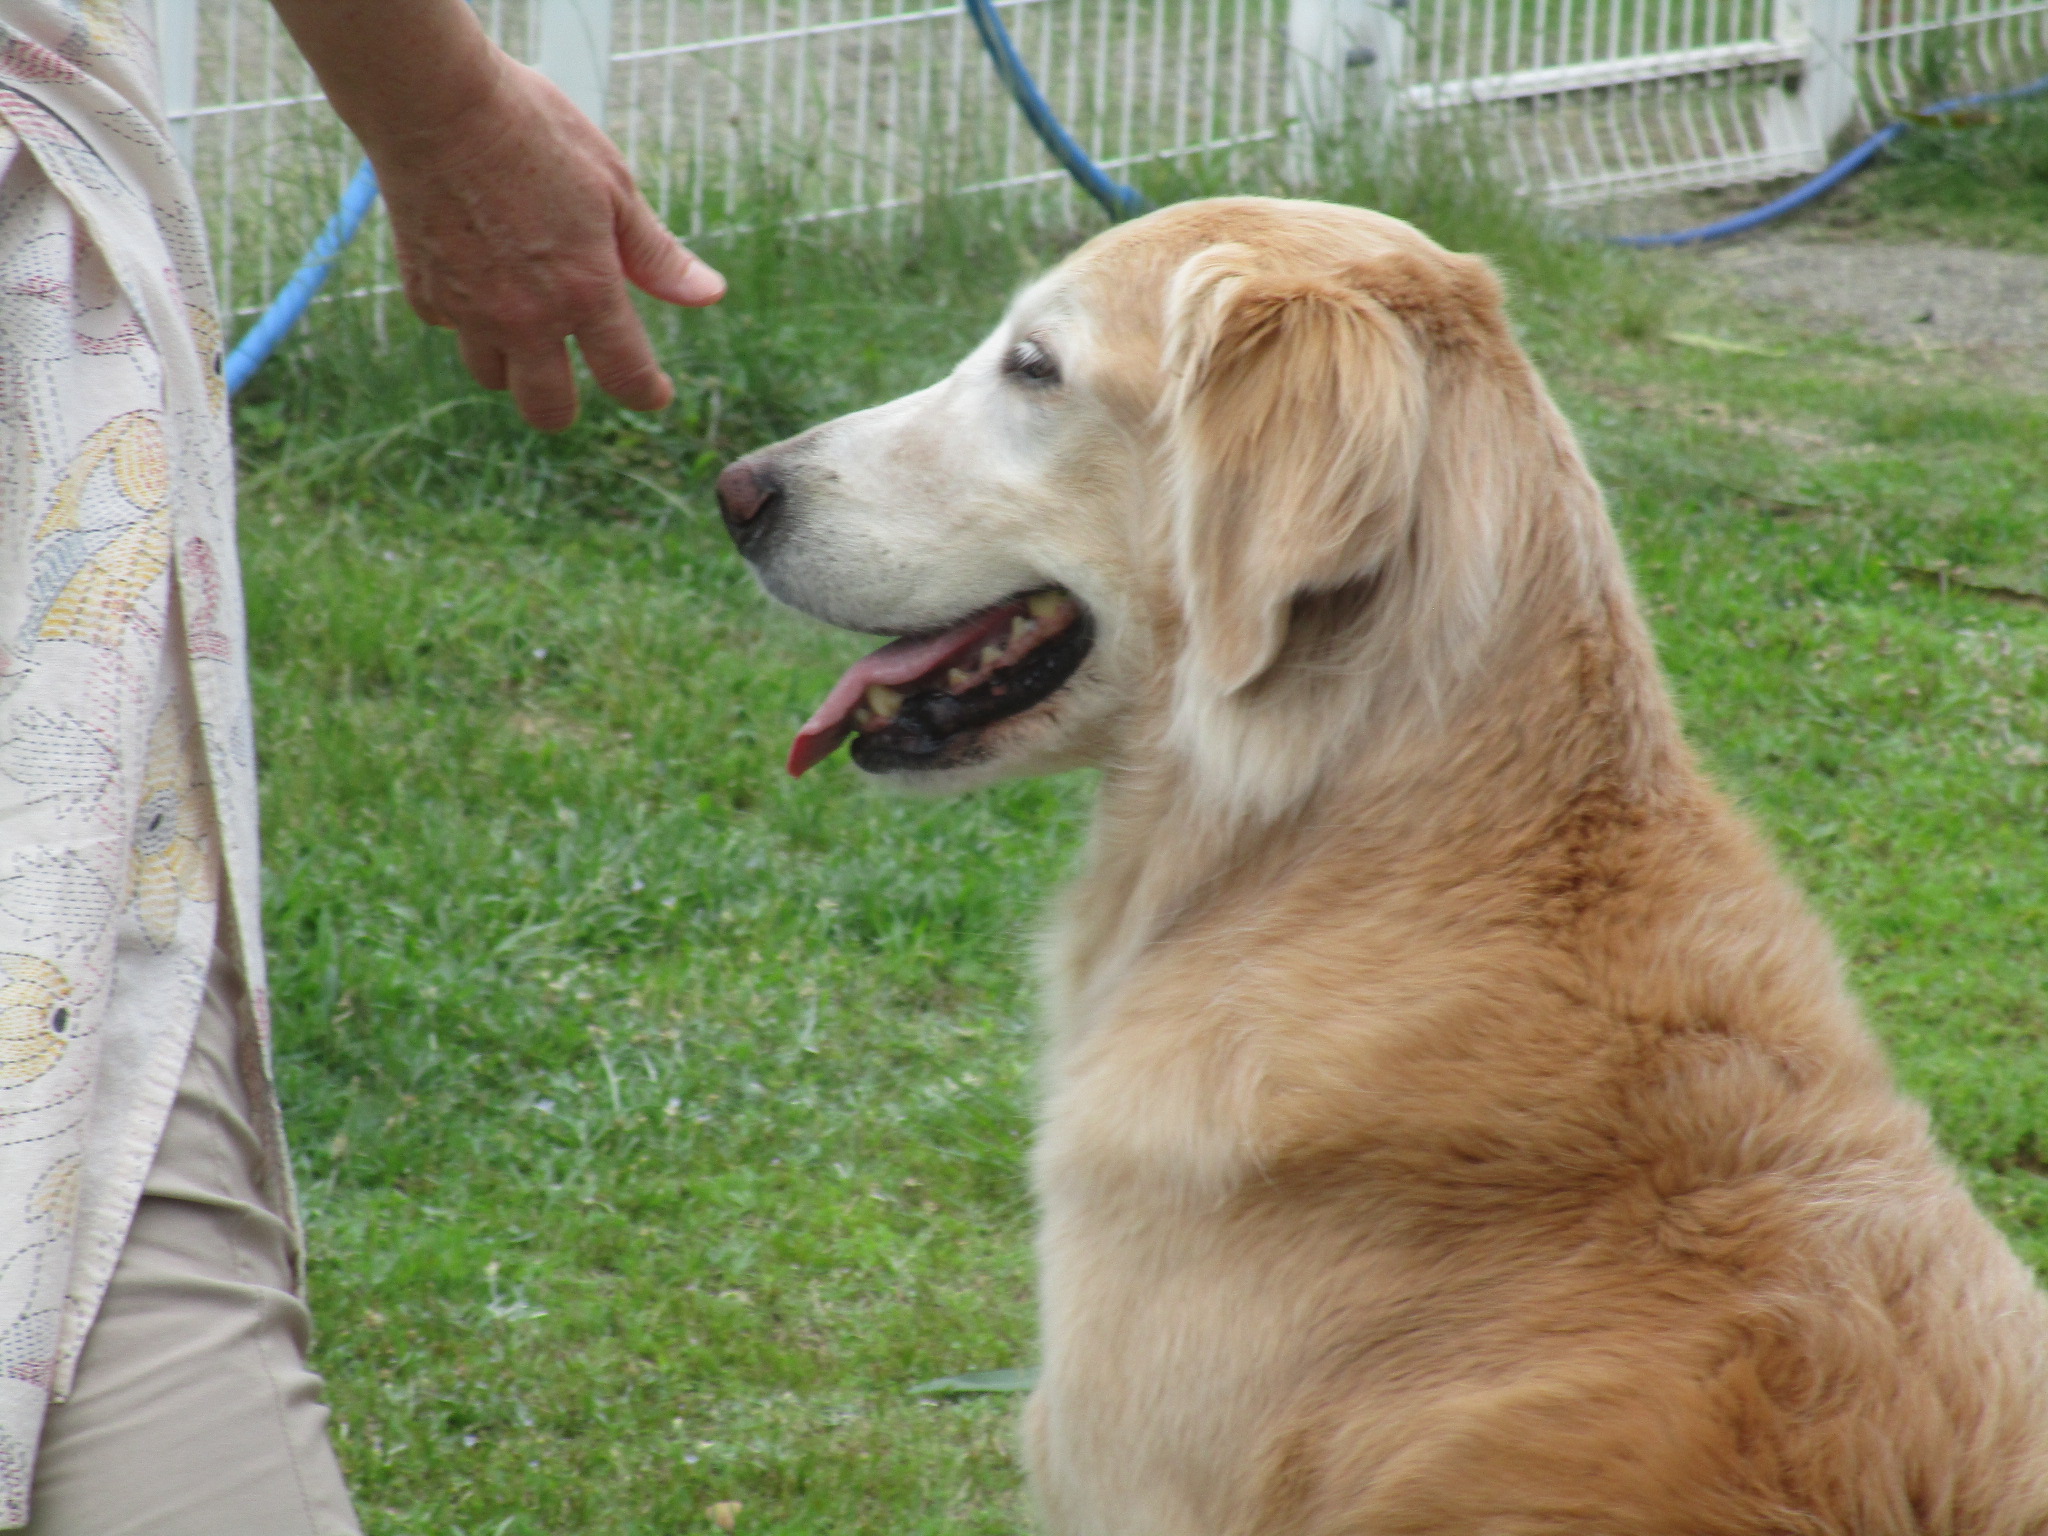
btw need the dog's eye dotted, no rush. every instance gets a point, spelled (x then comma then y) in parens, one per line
(1028, 360)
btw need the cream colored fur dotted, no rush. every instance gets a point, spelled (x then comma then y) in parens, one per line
(1454, 1123)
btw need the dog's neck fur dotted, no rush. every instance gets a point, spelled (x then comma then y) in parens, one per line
(1563, 661)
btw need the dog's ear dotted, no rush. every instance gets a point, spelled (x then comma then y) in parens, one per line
(1294, 419)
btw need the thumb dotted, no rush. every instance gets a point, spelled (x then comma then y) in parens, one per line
(659, 264)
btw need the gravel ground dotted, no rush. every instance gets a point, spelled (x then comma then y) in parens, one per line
(1980, 308)
(1900, 295)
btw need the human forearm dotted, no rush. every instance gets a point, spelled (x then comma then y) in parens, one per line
(396, 71)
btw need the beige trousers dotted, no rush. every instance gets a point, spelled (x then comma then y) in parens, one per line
(194, 1413)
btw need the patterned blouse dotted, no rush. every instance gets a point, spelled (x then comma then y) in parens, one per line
(127, 770)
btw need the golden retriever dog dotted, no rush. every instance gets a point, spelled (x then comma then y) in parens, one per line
(1454, 1122)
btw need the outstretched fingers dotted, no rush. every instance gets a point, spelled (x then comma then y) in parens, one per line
(621, 359)
(543, 386)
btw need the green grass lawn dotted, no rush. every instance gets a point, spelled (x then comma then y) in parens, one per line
(661, 1121)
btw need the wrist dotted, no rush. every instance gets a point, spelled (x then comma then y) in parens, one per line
(431, 124)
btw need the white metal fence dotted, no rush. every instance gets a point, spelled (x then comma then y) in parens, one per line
(823, 108)
(835, 107)
(1591, 99)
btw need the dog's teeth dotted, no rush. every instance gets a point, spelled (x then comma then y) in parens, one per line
(884, 701)
(864, 717)
(958, 681)
(991, 655)
(1044, 605)
(1019, 628)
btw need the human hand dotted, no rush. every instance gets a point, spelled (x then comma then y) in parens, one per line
(518, 225)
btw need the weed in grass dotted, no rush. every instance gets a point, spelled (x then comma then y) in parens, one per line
(661, 1120)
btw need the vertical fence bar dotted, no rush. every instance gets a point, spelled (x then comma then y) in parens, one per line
(863, 92)
(1128, 99)
(1330, 43)
(1211, 97)
(230, 225)
(891, 120)
(1179, 136)
(1827, 79)
(631, 92)
(574, 49)
(1314, 101)
(1156, 82)
(800, 112)
(1240, 62)
(1376, 54)
(666, 90)
(1076, 28)
(267, 157)
(177, 41)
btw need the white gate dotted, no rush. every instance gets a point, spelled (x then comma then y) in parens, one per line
(1589, 99)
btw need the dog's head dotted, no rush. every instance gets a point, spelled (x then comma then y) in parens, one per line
(1208, 478)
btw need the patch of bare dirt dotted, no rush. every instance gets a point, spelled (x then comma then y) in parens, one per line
(1925, 296)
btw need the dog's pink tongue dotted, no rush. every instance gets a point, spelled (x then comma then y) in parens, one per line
(900, 661)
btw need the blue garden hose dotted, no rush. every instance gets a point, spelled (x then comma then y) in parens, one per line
(291, 301)
(1828, 179)
(1118, 200)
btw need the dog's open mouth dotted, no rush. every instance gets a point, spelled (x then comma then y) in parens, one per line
(913, 703)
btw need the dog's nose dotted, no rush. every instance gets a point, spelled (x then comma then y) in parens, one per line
(749, 495)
